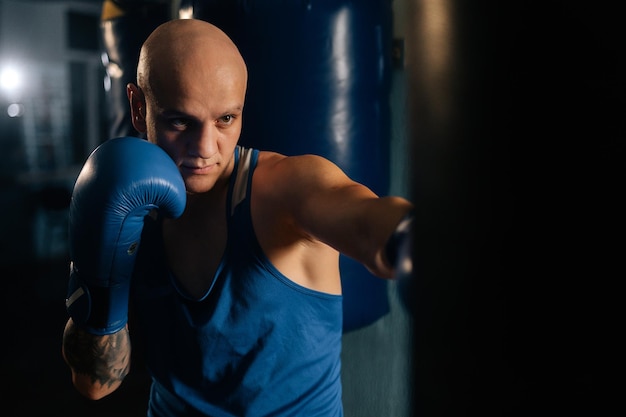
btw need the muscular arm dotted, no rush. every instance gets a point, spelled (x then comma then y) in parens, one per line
(98, 363)
(330, 207)
(358, 225)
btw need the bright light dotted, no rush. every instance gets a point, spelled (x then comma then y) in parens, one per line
(185, 12)
(10, 79)
(15, 110)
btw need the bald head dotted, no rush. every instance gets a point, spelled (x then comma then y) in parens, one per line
(182, 52)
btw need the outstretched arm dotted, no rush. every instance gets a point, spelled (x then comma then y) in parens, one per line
(328, 206)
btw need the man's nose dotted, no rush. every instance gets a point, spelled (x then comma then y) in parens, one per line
(204, 144)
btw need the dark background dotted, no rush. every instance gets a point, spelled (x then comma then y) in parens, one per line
(520, 225)
(524, 235)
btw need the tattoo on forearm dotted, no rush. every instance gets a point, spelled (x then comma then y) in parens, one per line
(106, 359)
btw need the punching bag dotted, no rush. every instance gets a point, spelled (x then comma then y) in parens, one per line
(319, 82)
(124, 26)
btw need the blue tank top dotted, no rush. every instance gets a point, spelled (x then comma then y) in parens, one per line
(256, 344)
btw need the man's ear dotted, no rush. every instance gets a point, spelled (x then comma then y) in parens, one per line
(137, 103)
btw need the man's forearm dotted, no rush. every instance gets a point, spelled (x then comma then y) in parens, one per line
(99, 363)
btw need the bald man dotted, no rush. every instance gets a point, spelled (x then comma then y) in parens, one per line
(238, 300)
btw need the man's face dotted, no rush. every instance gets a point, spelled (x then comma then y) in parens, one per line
(196, 117)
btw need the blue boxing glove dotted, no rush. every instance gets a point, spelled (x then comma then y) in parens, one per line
(123, 180)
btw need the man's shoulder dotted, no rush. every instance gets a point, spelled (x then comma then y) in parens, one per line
(270, 158)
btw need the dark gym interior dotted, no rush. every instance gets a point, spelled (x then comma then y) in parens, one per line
(529, 157)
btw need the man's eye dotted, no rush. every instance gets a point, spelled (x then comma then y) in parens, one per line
(227, 119)
(179, 123)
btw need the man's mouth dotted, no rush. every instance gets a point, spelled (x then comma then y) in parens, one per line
(197, 169)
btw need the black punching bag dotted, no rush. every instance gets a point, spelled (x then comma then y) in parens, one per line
(124, 26)
(319, 82)
(517, 113)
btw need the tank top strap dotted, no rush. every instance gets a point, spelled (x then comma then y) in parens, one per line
(245, 162)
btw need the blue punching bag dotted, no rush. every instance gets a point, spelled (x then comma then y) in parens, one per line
(319, 82)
